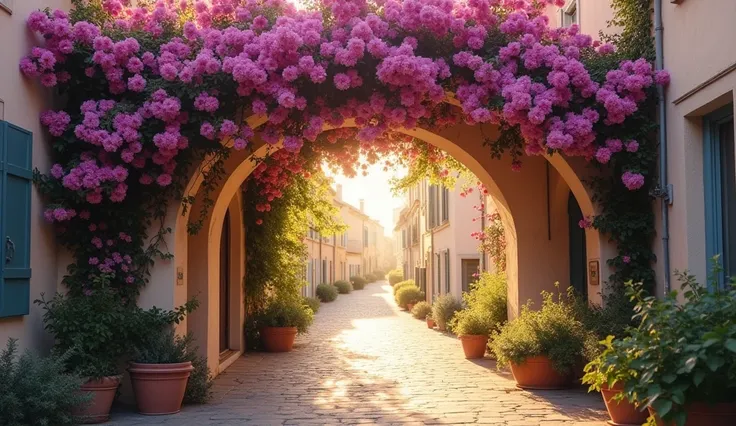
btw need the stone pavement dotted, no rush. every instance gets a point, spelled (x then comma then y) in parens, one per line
(366, 362)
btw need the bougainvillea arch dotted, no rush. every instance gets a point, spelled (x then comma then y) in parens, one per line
(149, 91)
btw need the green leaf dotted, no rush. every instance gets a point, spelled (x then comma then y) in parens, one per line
(662, 407)
(731, 345)
(698, 377)
(690, 364)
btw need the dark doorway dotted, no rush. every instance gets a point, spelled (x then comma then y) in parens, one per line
(471, 268)
(578, 255)
(225, 285)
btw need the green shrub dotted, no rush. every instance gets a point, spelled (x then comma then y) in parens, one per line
(163, 347)
(199, 385)
(396, 276)
(553, 331)
(370, 278)
(407, 283)
(313, 303)
(358, 283)
(326, 292)
(287, 313)
(444, 308)
(409, 294)
(472, 321)
(421, 310)
(488, 298)
(36, 390)
(343, 287)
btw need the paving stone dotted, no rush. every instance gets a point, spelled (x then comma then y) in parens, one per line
(366, 362)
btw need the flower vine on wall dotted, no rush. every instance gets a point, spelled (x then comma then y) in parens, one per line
(150, 91)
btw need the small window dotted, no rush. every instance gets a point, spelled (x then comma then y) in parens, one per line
(569, 14)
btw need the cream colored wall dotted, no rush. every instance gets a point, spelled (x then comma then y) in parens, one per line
(22, 102)
(701, 60)
(593, 16)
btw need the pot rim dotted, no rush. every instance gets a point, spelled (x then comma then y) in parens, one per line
(101, 383)
(177, 367)
(473, 337)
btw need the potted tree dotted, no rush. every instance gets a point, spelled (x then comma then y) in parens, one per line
(281, 321)
(685, 368)
(472, 327)
(610, 373)
(542, 347)
(430, 321)
(159, 372)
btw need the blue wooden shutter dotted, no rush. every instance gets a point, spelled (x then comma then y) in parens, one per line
(15, 223)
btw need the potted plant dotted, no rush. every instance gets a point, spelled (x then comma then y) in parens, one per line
(610, 373)
(542, 347)
(93, 330)
(281, 321)
(326, 292)
(685, 367)
(159, 372)
(472, 327)
(430, 321)
(443, 309)
(408, 295)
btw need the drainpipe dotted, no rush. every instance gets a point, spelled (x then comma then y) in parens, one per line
(482, 228)
(664, 192)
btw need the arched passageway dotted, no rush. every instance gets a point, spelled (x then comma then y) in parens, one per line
(532, 202)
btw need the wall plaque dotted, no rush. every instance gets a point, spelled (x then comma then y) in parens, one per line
(593, 273)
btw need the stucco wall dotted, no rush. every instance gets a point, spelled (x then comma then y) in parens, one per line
(22, 102)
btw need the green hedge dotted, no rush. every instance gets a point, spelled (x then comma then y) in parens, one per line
(326, 292)
(343, 287)
(395, 276)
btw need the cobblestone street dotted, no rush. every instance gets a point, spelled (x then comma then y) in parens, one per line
(366, 362)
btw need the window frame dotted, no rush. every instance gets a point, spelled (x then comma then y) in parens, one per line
(713, 185)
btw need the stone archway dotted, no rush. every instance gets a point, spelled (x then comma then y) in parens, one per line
(529, 202)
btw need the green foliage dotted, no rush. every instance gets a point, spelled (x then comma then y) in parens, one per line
(313, 303)
(444, 308)
(395, 276)
(612, 366)
(488, 296)
(99, 331)
(613, 319)
(408, 294)
(682, 353)
(370, 278)
(551, 331)
(472, 322)
(405, 283)
(326, 292)
(421, 310)
(163, 347)
(343, 287)
(199, 386)
(36, 390)
(359, 283)
(286, 313)
(493, 242)
(276, 250)
(433, 164)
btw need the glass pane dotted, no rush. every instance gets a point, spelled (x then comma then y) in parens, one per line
(728, 197)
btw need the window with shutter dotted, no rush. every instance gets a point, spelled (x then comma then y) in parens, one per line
(15, 223)
(447, 271)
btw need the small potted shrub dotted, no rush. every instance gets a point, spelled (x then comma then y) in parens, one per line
(542, 347)
(160, 371)
(472, 327)
(313, 303)
(396, 276)
(685, 354)
(343, 287)
(421, 310)
(406, 283)
(443, 309)
(430, 321)
(281, 321)
(37, 390)
(610, 373)
(326, 293)
(358, 283)
(408, 295)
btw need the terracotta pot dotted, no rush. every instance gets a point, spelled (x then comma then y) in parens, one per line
(538, 372)
(430, 323)
(622, 412)
(159, 388)
(704, 414)
(441, 327)
(474, 345)
(409, 306)
(97, 409)
(278, 339)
